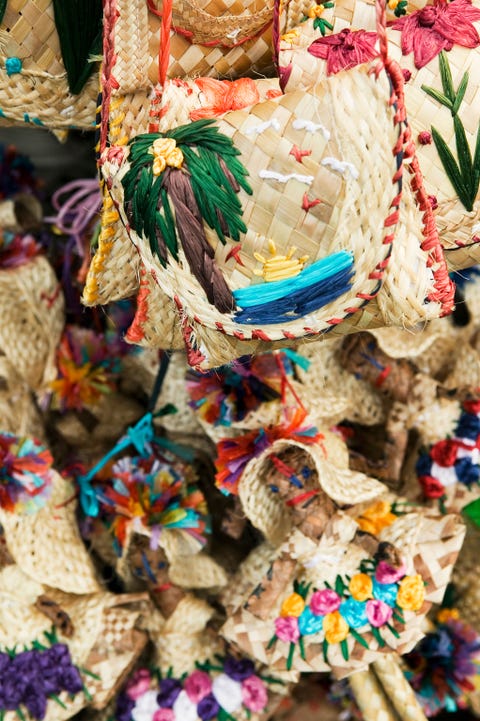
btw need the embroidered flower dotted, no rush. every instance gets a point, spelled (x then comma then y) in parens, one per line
(386, 592)
(169, 690)
(286, 629)
(308, 623)
(293, 605)
(378, 613)
(438, 27)
(227, 692)
(376, 517)
(335, 627)
(198, 685)
(238, 668)
(325, 601)
(139, 683)
(387, 574)
(184, 708)
(146, 706)
(432, 488)
(165, 152)
(208, 707)
(444, 453)
(345, 49)
(411, 593)
(163, 714)
(254, 694)
(354, 612)
(361, 587)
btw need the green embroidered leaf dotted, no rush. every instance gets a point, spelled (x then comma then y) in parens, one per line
(437, 95)
(451, 168)
(476, 165)
(464, 155)
(59, 701)
(302, 647)
(271, 642)
(79, 28)
(359, 638)
(393, 630)
(377, 636)
(325, 650)
(20, 714)
(460, 94)
(472, 511)
(291, 652)
(339, 585)
(398, 615)
(446, 77)
(344, 647)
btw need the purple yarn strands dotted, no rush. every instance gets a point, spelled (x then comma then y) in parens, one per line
(75, 214)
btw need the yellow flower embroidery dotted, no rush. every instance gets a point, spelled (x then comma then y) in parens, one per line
(392, 4)
(376, 517)
(291, 36)
(316, 11)
(293, 605)
(447, 614)
(361, 587)
(411, 593)
(279, 267)
(165, 152)
(335, 627)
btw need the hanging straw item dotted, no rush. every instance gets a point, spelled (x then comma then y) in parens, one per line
(438, 49)
(284, 152)
(326, 605)
(55, 671)
(32, 537)
(46, 63)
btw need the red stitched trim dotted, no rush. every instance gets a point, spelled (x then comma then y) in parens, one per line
(383, 376)
(136, 333)
(259, 334)
(303, 497)
(219, 326)
(110, 16)
(238, 334)
(291, 336)
(194, 356)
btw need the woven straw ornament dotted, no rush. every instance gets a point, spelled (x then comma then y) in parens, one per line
(442, 112)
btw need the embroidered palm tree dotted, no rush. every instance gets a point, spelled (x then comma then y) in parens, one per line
(178, 181)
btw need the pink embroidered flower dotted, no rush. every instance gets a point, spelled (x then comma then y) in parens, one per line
(323, 602)
(345, 49)
(438, 27)
(286, 629)
(197, 685)
(378, 613)
(388, 574)
(254, 694)
(164, 714)
(139, 684)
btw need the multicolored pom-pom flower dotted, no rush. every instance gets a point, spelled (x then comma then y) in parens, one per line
(445, 665)
(16, 249)
(212, 691)
(152, 494)
(88, 368)
(25, 474)
(226, 395)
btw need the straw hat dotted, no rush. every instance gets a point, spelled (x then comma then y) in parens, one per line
(47, 546)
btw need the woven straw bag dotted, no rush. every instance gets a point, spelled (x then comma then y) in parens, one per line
(456, 219)
(99, 631)
(211, 37)
(287, 212)
(33, 319)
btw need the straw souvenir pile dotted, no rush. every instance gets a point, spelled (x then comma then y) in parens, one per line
(240, 368)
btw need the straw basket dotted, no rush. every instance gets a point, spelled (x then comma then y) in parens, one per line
(211, 37)
(457, 222)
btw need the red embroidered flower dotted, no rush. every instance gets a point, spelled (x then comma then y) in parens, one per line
(438, 27)
(444, 453)
(345, 50)
(432, 488)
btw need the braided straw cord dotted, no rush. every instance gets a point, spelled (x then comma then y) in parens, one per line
(370, 697)
(397, 689)
(32, 310)
(59, 559)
